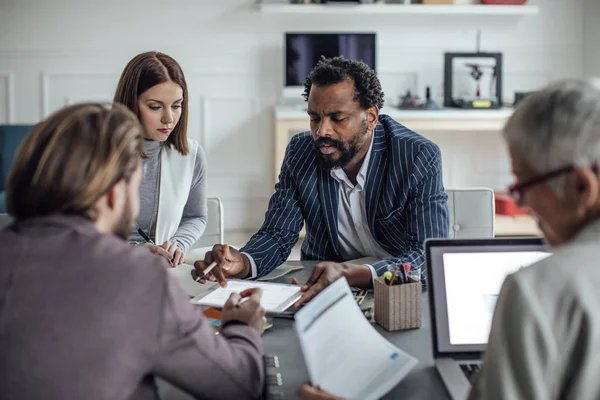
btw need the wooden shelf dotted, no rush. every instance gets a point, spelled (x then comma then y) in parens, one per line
(400, 9)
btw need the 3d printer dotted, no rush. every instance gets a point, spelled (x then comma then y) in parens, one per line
(473, 80)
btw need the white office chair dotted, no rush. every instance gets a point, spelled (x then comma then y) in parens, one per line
(213, 234)
(472, 213)
(5, 220)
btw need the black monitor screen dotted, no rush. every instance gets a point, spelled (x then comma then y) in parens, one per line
(304, 50)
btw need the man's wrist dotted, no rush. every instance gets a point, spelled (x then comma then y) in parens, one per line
(246, 269)
(358, 275)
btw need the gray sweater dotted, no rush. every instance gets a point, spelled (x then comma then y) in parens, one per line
(195, 211)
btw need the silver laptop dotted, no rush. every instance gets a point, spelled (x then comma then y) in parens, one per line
(465, 277)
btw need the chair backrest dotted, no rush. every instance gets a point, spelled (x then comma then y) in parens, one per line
(472, 213)
(5, 220)
(11, 137)
(214, 232)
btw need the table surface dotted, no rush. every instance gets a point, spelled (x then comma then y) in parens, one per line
(423, 382)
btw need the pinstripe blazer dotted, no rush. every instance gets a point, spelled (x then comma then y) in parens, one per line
(405, 201)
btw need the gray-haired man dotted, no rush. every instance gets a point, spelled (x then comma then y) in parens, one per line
(545, 336)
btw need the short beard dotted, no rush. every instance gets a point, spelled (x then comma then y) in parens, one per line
(348, 150)
(126, 222)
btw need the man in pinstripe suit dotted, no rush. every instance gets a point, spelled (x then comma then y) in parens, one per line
(364, 185)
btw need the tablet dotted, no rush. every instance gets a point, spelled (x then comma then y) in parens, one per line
(276, 297)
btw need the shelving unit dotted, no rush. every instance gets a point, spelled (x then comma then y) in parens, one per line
(399, 9)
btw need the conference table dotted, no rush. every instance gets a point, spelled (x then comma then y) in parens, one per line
(423, 382)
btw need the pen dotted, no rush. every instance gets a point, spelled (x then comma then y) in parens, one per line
(206, 271)
(148, 240)
(318, 277)
(144, 236)
(404, 275)
(240, 302)
(399, 275)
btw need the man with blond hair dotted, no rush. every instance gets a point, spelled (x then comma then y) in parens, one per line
(82, 314)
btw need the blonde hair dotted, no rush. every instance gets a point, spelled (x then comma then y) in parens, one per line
(73, 158)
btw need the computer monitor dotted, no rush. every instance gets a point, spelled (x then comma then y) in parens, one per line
(465, 277)
(304, 50)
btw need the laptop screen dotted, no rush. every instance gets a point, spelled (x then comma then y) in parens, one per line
(466, 277)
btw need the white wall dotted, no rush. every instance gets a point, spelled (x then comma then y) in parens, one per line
(74, 50)
(591, 42)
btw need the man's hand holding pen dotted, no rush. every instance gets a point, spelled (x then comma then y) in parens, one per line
(230, 263)
(249, 311)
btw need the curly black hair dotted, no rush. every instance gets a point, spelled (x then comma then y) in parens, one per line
(330, 71)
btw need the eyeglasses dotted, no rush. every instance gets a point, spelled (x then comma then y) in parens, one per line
(518, 189)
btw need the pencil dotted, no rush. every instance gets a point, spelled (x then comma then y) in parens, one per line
(206, 271)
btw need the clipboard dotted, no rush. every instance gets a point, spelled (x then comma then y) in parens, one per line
(276, 298)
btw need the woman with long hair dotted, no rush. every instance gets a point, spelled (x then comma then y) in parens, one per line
(173, 209)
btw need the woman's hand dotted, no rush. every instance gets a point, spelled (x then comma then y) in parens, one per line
(168, 250)
(177, 254)
(159, 251)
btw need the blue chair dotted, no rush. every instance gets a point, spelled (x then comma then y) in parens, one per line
(11, 137)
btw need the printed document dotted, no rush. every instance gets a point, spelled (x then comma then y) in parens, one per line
(343, 353)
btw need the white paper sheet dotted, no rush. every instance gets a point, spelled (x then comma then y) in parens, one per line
(275, 296)
(344, 354)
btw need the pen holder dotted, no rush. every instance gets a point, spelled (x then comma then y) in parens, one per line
(398, 307)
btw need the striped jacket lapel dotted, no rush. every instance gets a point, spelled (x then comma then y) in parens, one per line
(375, 174)
(328, 192)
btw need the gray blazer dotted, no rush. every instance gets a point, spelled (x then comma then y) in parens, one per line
(85, 316)
(545, 336)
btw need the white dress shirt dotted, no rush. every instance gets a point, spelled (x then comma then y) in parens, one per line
(355, 237)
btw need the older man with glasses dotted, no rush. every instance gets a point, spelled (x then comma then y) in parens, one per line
(545, 336)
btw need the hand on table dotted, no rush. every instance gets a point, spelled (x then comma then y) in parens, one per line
(325, 273)
(249, 312)
(309, 392)
(230, 264)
